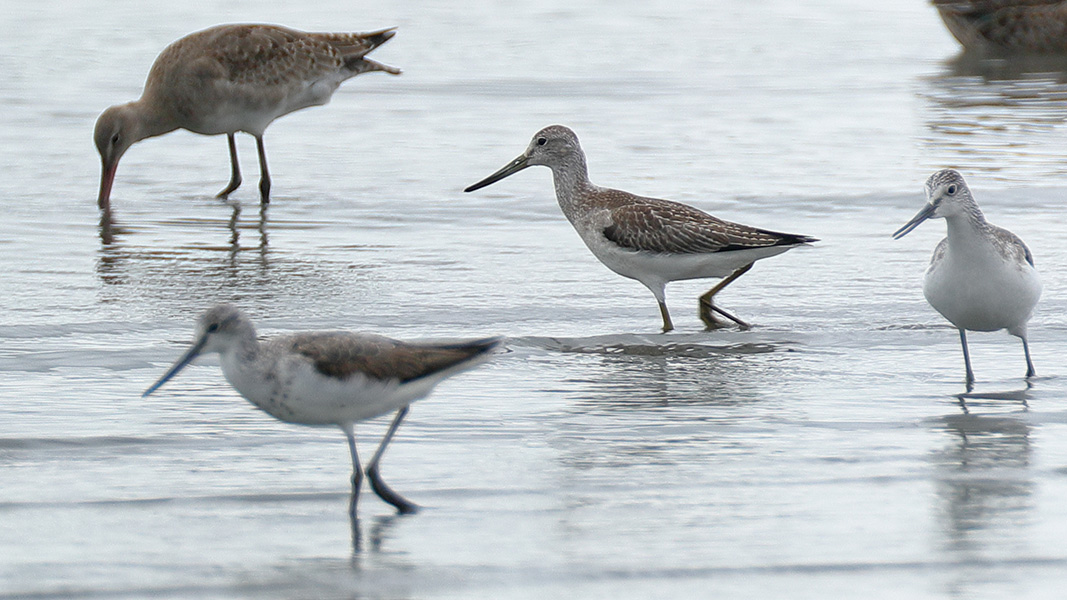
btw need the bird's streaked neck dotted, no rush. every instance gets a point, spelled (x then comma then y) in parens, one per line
(966, 229)
(571, 178)
(964, 223)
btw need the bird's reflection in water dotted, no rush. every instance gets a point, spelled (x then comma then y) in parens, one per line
(235, 233)
(107, 228)
(110, 251)
(177, 256)
(377, 536)
(1020, 396)
(685, 403)
(996, 115)
(984, 480)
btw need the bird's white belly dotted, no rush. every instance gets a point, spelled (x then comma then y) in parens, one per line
(662, 267)
(297, 393)
(982, 295)
(252, 111)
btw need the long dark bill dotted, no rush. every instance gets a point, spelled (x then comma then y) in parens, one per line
(511, 168)
(922, 215)
(181, 363)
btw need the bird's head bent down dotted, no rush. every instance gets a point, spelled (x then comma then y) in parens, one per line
(117, 128)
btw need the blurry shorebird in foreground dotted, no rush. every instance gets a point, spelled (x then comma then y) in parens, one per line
(234, 78)
(651, 240)
(329, 378)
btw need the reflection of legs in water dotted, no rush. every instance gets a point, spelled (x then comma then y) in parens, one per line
(235, 230)
(235, 236)
(357, 537)
(376, 537)
(263, 229)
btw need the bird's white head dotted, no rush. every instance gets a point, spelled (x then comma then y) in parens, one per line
(220, 329)
(554, 146)
(947, 195)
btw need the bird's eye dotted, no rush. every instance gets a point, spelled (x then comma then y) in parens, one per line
(115, 139)
(541, 141)
(213, 328)
(951, 190)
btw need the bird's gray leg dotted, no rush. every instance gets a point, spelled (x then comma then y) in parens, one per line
(1030, 372)
(384, 492)
(264, 174)
(659, 290)
(357, 471)
(967, 357)
(667, 324)
(707, 306)
(235, 169)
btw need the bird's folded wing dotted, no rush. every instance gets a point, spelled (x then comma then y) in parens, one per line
(342, 355)
(670, 227)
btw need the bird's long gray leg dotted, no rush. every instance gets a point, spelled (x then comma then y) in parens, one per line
(357, 471)
(667, 324)
(1030, 372)
(264, 174)
(659, 290)
(384, 492)
(235, 169)
(967, 357)
(707, 306)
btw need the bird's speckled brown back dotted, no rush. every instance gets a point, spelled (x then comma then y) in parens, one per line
(343, 354)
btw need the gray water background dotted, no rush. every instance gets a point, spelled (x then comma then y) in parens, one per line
(825, 453)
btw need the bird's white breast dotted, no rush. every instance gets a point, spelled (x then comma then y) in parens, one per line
(982, 290)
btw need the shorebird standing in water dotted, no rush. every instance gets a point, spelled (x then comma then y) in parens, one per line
(651, 240)
(981, 277)
(329, 378)
(234, 78)
(1007, 26)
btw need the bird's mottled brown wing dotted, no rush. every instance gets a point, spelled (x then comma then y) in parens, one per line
(662, 226)
(267, 55)
(343, 354)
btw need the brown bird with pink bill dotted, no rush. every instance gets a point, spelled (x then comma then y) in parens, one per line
(232, 78)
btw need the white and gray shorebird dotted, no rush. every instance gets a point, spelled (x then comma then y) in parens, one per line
(232, 78)
(330, 378)
(648, 239)
(981, 277)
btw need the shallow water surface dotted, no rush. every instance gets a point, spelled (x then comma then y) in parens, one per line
(824, 453)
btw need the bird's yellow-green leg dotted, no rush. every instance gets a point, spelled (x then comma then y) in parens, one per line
(707, 306)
